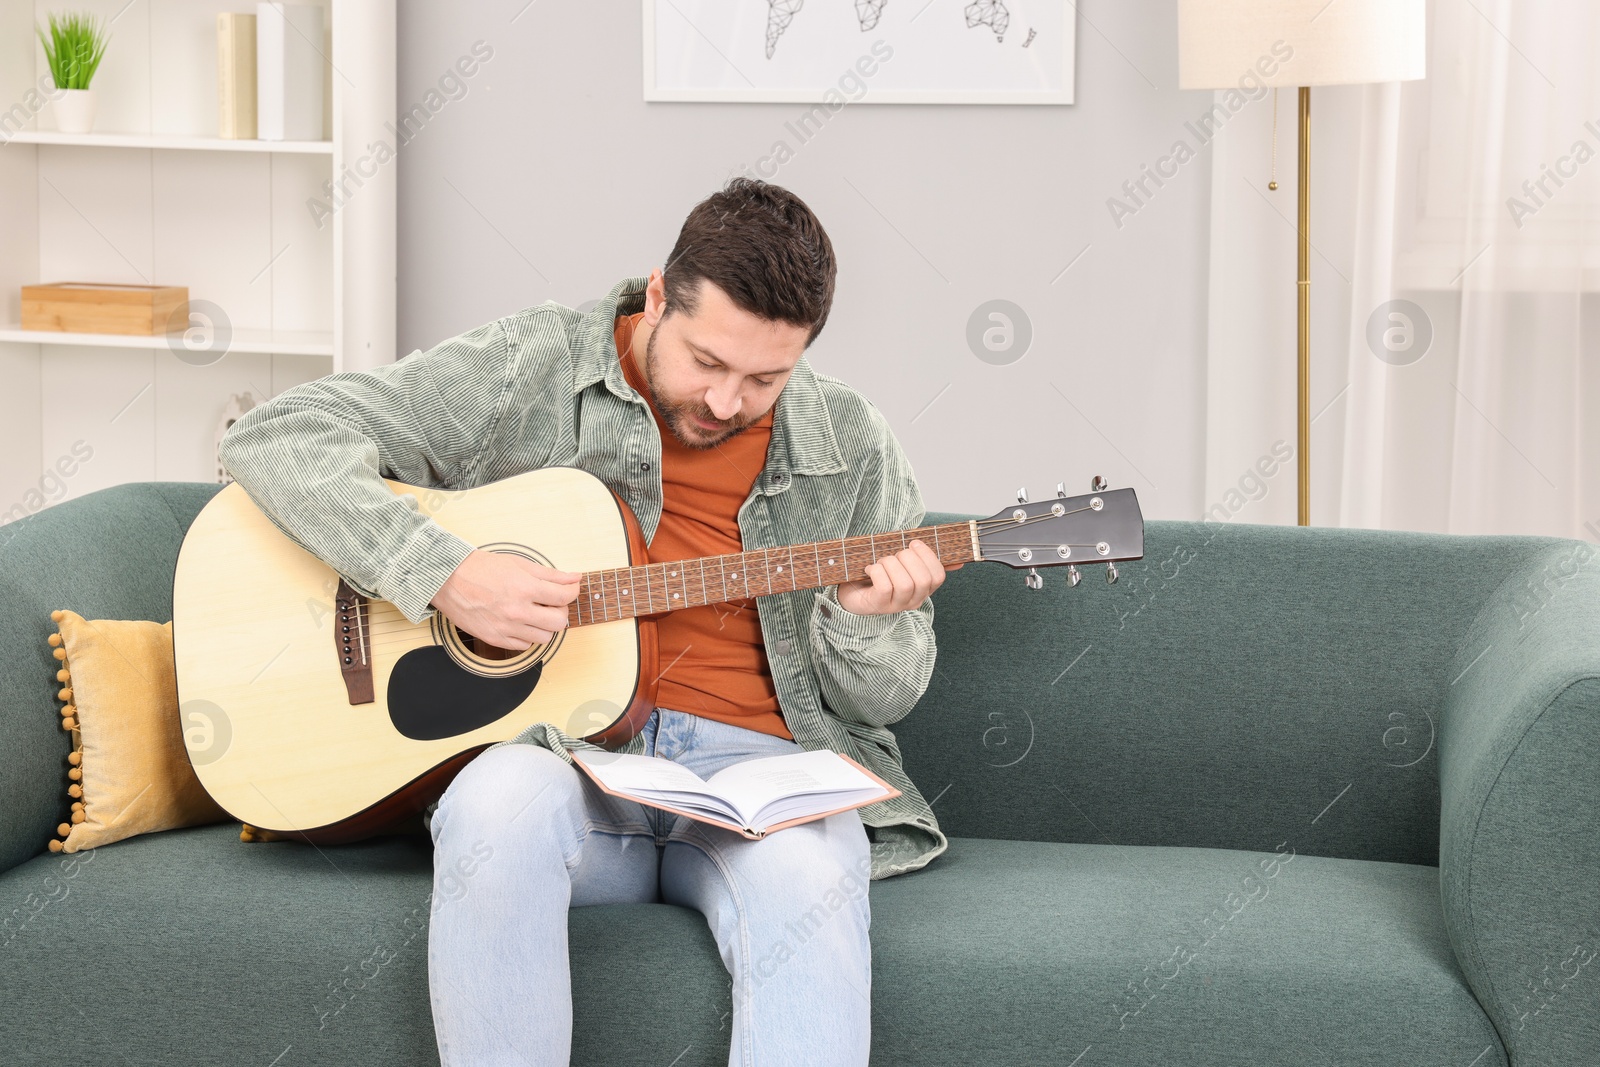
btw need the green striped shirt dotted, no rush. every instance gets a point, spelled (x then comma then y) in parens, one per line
(544, 387)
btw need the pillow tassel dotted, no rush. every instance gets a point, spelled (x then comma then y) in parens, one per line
(69, 722)
(250, 833)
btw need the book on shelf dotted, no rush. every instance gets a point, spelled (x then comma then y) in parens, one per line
(289, 82)
(236, 76)
(754, 797)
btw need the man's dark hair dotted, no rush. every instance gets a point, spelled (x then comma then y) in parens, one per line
(761, 245)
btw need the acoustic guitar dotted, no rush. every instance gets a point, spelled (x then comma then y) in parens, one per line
(313, 711)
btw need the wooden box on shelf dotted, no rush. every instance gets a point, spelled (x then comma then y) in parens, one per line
(93, 307)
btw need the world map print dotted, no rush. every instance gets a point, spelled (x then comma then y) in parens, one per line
(991, 13)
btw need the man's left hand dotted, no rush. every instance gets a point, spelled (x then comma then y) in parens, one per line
(895, 583)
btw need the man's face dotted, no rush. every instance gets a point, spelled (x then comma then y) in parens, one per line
(715, 373)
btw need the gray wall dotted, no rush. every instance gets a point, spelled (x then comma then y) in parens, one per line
(550, 178)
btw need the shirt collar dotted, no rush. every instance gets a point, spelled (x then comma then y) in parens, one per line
(803, 439)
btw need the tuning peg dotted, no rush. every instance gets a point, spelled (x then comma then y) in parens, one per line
(1061, 489)
(1035, 580)
(1022, 496)
(1111, 574)
(1097, 485)
(1073, 577)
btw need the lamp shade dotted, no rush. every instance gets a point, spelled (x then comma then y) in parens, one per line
(1300, 42)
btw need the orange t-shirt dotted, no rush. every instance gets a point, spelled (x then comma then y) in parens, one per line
(713, 659)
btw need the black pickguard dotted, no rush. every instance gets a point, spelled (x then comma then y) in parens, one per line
(431, 696)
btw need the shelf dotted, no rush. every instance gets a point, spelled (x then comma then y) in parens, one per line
(180, 142)
(283, 342)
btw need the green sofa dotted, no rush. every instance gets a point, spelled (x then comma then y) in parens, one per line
(1279, 796)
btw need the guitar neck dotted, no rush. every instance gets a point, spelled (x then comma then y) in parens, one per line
(629, 592)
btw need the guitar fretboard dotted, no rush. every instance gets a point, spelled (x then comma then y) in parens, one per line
(629, 592)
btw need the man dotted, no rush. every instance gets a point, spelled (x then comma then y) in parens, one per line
(688, 393)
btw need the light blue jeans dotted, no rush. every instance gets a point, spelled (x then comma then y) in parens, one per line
(520, 836)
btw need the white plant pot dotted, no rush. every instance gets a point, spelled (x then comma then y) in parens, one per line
(74, 110)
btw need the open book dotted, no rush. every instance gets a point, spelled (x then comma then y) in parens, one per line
(753, 797)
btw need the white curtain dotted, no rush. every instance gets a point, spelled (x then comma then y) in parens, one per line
(1455, 332)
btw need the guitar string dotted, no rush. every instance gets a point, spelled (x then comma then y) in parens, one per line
(851, 554)
(615, 572)
(404, 625)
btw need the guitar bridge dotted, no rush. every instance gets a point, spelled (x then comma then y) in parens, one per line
(352, 637)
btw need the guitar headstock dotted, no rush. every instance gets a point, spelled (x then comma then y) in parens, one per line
(1102, 526)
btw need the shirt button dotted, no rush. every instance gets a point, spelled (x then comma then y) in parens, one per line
(644, 466)
(827, 612)
(783, 647)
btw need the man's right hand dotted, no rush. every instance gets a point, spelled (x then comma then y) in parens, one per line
(506, 600)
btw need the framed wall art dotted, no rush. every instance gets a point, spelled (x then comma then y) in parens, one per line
(872, 51)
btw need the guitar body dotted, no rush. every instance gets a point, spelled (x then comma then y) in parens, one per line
(282, 739)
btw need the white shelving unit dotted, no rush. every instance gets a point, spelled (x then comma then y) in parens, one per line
(150, 140)
(152, 196)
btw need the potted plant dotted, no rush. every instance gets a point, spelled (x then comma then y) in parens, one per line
(73, 50)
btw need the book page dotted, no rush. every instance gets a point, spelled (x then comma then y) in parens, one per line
(820, 775)
(631, 773)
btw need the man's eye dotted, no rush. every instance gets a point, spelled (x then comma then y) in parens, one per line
(707, 366)
(758, 381)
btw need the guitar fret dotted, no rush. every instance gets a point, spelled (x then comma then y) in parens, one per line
(704, 596)
(649, 595)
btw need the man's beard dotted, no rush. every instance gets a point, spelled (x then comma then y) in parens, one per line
(679, 417)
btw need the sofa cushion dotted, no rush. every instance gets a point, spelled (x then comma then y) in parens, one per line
(188, 947)
(1027, 952)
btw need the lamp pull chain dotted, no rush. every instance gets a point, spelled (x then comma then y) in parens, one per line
(1273, 182)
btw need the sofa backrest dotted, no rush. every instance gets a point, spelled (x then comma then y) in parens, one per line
(1241, 687)
(107, 555)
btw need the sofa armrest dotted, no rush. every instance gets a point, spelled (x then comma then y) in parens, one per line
(1519, 780)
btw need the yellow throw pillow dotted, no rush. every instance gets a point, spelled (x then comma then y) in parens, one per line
(130, 773)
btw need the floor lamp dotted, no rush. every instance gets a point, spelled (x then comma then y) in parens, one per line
(1244, 44)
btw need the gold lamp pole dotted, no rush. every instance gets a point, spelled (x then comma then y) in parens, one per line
(1245, 45)
(1303, 309)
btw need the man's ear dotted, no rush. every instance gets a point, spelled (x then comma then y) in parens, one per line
(655, 298)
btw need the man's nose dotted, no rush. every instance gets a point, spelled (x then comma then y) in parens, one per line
(724, 406)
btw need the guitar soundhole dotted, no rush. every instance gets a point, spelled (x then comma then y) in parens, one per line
(478, 646)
